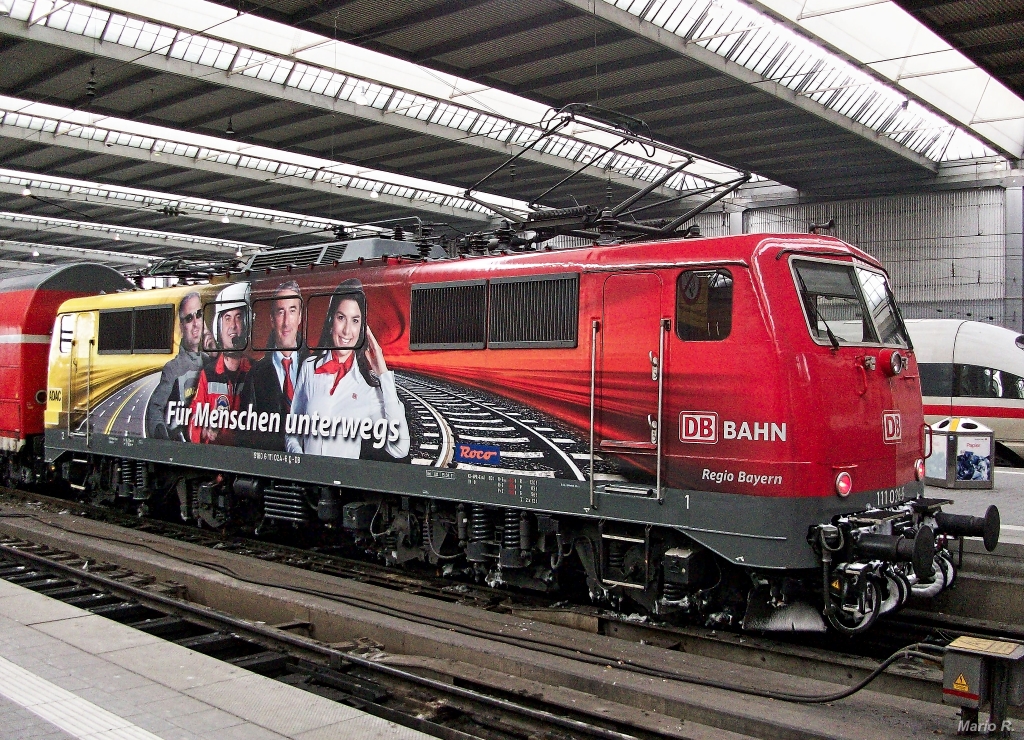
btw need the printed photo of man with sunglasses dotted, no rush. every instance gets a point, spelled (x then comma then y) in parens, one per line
(180, 376)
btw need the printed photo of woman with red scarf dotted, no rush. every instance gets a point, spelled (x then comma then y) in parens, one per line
(346, 389)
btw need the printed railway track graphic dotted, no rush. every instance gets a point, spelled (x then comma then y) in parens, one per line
(441, 415)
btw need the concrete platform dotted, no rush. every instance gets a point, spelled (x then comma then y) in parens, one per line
(66, 674)
(1007, 493)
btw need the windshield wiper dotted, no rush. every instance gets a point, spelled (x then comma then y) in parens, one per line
(831, 336)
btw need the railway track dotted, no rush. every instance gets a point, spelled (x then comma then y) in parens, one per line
(843, 662)
(347, 673)
(657, 705)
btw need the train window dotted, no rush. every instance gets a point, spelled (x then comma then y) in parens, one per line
(972, 381)
(67, 333)
(936, 378)
(153, 330)
(832, 302)
(277, 317)
(533, 312)
(144, 330)
(448, 315)
(229, 323)
(115, 332)
(337, 320)
(882, 307)
(704, 305)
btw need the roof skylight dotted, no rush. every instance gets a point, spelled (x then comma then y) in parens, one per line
(169, 239)
(158, 140)
(112, 195)
(741, 34)
(220, 40)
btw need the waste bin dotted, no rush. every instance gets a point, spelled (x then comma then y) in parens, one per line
(961, 454)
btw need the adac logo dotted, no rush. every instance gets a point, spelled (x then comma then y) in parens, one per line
(892, 427)
(478, 454)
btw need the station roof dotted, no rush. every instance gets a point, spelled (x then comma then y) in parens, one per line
(988, 32)
(341, 111)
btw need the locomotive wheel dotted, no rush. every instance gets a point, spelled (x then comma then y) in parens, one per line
(858, 620)
(898, 591)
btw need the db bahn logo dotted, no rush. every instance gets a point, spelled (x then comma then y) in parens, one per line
(892, 427)
(698, 426)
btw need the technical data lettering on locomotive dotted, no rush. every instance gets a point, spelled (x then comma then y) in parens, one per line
(281, 457)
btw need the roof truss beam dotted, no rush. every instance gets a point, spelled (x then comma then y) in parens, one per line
(201, 165)
(270, 91)
(52, 250)
(678, 45)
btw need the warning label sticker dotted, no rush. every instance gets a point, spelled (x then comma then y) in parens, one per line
(961, 684)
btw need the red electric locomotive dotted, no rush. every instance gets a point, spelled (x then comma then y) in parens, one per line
(693, 421)
(728, 429)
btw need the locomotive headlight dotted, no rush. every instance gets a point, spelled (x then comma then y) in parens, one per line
(844, 484)
(892, 361)
(919, 469)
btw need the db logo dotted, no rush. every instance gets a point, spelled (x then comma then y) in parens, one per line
(700, 427)
(892, 427)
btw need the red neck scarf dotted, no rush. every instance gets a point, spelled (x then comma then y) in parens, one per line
(337, 368)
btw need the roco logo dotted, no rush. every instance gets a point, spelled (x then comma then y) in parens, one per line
(892, 427)
(482, 454)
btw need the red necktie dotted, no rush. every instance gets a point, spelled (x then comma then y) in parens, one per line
(289, 389)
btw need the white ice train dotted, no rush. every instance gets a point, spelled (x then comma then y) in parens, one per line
(973, 369)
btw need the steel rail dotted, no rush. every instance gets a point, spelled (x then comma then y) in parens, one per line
(311, 646)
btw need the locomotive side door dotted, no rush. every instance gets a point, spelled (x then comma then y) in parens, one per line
(80, 373)
(627, 400)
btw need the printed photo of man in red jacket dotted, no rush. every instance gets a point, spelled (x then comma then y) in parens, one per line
(224, 372)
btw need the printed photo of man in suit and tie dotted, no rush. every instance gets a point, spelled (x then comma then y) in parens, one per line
(271, 382)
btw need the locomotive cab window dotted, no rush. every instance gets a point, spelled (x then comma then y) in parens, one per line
(704, 305)
(66, 333)
(848, 304)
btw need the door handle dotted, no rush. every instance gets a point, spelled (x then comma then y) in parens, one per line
(655, 362)
(653, 424)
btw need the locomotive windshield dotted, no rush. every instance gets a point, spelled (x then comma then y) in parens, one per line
(845, 304)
